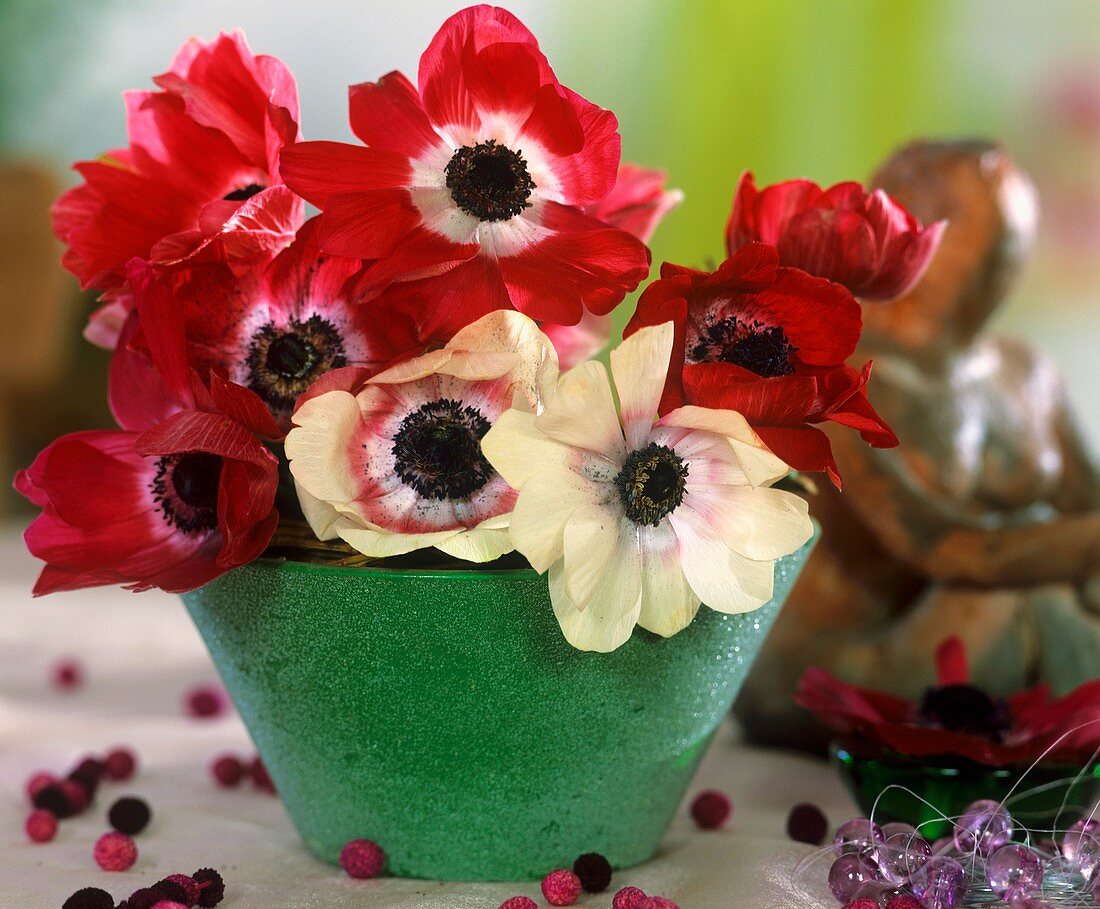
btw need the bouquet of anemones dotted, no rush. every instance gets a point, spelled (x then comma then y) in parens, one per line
(410, 369)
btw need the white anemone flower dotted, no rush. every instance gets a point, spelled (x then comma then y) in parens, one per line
(639, 522)
(396, 465)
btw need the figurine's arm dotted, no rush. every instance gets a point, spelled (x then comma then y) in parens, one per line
(931, 533)
(1080, 488)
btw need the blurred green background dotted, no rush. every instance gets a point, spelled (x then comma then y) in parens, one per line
(703, 88)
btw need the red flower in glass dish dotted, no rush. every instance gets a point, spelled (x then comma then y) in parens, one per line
(957, 718)
(769, 342)
(865, 241)
(183, 492)
(199, 178)
(637, 204)
(478, 181)
(279, 327)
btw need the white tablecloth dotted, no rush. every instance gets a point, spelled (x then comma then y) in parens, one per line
(142, 654)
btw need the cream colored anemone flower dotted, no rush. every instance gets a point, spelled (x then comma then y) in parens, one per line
(396, 464)
(638, 522)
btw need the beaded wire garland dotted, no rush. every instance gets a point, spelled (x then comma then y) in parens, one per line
(992, 859)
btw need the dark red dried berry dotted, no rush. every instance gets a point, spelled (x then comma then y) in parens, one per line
(89, 898)
(192, 891)
(204, 702)
(711, 809)
(807, 824)
(145, 898)
(53, 798)
(594, 871)
(173, 891)
(213, 887)
(121, 764)
(227, 771)
(129, 815)
(261, 779)
(67, 675)
(90, 766)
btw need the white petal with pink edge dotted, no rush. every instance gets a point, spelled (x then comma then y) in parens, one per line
(760, 523)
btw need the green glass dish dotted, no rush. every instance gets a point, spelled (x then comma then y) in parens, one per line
(1051, 796)
(443, 715)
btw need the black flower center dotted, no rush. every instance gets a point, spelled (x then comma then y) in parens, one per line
(437, 450)
(489, 181)
(284, 361)
(185, 488)
(966, 708)
(651, 483)
(244, 192)
(762, 349)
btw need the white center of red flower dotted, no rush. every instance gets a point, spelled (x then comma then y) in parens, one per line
(651, 483)
(185, 488)
(437, 450)
(284, 361)
(489, 181)
(759, 348)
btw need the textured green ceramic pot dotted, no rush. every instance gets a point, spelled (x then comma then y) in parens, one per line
(443, 715)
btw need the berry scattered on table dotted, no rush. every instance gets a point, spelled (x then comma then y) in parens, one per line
(362, 858)
(67, 675)
(211, 885)
(77, 795)
(115, 851)
(561, 887)
(519, 902)
(658, 902)
(89, 898)
(41, 826)
(52, 798)
(227, 770)
(711, 809)
(129, 815)
(204, 702)
(121, 764)
(261, 779)
(629, 898)
(594, 871)
(903, 901)
(864, 903)
(145, 898)
(171, 891)
(170, 904)
(188, 886)
(38, 782)
(807, 824)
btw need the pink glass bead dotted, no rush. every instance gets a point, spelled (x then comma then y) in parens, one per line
(860, 835)
(888, 830)
(1014, 871)
(1030, 902)
(848, 873)
(941, 883)
(1086, 857)
(983, 827)
(902, 855)
(1078, 830)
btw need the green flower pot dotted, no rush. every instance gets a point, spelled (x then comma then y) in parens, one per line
(443, 715)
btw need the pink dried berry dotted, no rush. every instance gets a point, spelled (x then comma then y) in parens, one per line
(561, 887)
(67, 675)
(711, 809)
(76, 795)
(121, 764)
(169, 904)
(362, 858)
(115, 851)
(901, 901)
(658, 902)
(38, 782)
(189, 886)
(204, 702)
(41, 826)
(864, 903)
(629, 898)
(519, 902)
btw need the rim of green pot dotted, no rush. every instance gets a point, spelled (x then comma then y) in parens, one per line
(465, 573)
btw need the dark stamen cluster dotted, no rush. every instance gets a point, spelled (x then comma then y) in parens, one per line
(185, 488)
(759, 348)
(284, 362)
(651, 483)
(244, 192)
(437, 450)
(489, 181)
(968, 709)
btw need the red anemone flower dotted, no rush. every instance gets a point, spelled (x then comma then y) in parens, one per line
(199, 178)
(482, 172)
(769, 342)
(865, 241)
(957, 718)
(183, 492)
(637, 204)
(279, 327)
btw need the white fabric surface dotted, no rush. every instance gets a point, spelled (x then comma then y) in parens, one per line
(142, 654)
